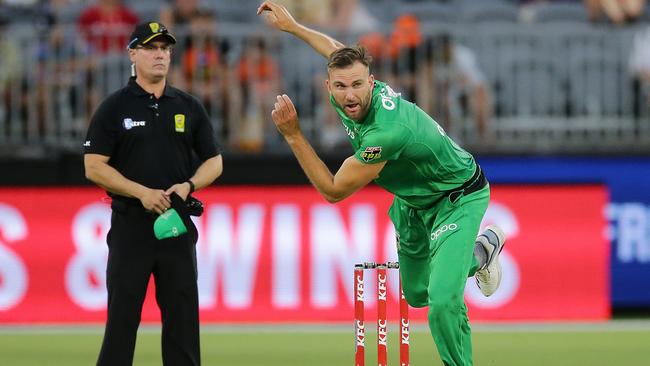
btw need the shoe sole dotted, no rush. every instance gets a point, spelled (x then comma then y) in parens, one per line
(499, 274)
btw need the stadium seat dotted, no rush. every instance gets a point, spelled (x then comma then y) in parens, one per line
(428, 11)
(382, 10)
(530, 78)
(147, 9)
(595, 80)
(240, 11)
(70, 13)
(560, 12)
(489, 11)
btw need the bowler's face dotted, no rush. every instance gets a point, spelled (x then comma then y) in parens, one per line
(351, 88)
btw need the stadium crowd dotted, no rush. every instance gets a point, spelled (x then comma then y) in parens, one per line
(458, 59)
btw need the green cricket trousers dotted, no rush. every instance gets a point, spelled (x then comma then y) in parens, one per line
(436, 254)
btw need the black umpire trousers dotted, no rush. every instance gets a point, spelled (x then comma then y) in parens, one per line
(134, 254)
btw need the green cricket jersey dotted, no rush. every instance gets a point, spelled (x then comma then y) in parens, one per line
(422, 161)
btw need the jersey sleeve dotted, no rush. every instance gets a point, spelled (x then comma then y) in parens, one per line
(383, 144)
(206, 145)
(101, 137)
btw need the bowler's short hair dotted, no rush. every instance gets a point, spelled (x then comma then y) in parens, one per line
(347, 56)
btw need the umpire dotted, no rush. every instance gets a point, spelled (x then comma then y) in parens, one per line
(147, 143)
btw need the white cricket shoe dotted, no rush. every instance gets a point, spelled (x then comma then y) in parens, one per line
(488, 277)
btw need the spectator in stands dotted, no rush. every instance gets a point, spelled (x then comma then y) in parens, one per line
(639, 67)
(106, 25)
(60, 74)
(442, 77)
(258, 83)
(22, 3)
(202, 66)
(185, 18)
(202, 56)
(10, 74)
(179, 13)
(338, 15)
(618, 11)
(451, 85)
(404, 44)
(312, 12)
(375, 42)
(351, 16)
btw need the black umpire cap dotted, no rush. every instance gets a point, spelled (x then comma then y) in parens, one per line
(147, 32)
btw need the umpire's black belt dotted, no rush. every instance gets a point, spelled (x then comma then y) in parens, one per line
(131, 207)
(475, 183)
(193, 207)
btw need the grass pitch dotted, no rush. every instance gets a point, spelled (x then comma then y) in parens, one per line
(322, 345)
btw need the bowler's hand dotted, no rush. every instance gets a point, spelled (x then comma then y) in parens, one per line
(285, 117)
(155, 200)
(181, 189)
(277, 16)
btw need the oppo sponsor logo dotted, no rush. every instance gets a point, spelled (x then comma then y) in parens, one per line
(386, 94)
(444, 228)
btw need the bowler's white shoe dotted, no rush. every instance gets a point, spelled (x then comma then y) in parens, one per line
(488, 277)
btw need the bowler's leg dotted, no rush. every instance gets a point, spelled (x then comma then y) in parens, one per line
(413, 253)
(454, 231)
(415, 279)
(447, 311)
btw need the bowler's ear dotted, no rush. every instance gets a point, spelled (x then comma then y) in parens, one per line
(327, 83)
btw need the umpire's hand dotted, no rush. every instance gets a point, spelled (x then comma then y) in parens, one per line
(181, 189)
(155, 200)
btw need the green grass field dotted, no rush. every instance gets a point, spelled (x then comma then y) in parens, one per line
(255, 346)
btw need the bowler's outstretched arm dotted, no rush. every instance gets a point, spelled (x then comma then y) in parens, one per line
(279, 17)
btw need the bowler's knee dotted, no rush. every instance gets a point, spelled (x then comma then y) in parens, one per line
(440, 306)
(416, 298)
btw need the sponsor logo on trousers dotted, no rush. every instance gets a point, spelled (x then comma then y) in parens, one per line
(444, 228)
